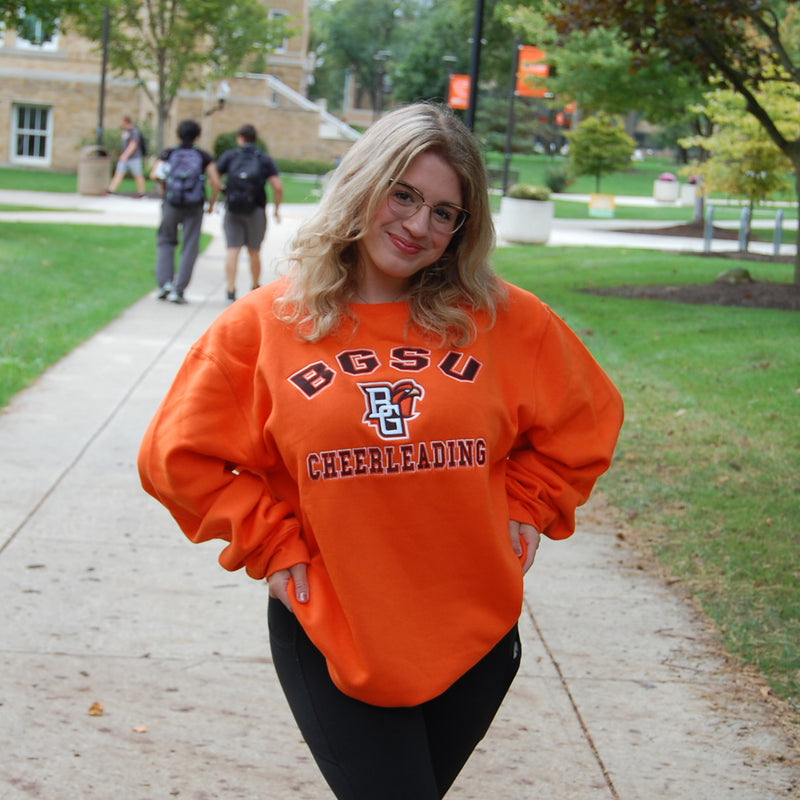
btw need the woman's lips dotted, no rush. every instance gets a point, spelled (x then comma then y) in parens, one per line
(403, 245)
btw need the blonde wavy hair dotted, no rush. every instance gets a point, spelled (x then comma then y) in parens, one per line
(323, 263)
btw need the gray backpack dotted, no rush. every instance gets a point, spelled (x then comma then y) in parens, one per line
(185, 181)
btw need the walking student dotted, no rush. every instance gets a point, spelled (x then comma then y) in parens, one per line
(247, 170)
(383, 435)
(183, 170)
(131, 158)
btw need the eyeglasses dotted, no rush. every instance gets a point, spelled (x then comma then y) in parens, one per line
(405, 201)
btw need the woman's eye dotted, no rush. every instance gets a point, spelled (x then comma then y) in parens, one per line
(403, 197)
(444, 213)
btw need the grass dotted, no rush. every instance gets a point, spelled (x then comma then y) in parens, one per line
(708, 464)
(61, 284)
(636, 180)
(295, 189)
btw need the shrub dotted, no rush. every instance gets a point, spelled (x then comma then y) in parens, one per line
(297, 166)
(227, 141)
(557, 179)
(528, 191)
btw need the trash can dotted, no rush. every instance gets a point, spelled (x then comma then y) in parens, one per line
(94, 170)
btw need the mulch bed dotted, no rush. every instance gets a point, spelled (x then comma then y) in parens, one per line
(750, 294)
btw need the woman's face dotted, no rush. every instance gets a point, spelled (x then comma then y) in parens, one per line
(394, 248)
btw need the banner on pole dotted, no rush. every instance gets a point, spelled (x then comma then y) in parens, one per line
(531, 72)
(458, 92)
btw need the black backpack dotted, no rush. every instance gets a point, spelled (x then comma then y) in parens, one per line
(184, 184)
(245, 178)
(142, 143)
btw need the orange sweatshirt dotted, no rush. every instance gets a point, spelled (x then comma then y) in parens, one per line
(391, 466)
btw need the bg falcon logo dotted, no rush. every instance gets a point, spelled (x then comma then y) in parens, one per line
(390, 406)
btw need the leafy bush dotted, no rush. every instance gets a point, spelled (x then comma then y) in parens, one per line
(227, 141)
(599, 146)
(557, 179)
(289, 165)
(528, 191)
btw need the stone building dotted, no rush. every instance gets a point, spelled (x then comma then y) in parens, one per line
(50, 101)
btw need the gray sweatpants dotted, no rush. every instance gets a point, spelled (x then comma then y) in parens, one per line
(190, 221)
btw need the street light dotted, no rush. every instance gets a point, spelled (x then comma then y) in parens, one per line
(475, 63)
(381, 57)
(450, 61)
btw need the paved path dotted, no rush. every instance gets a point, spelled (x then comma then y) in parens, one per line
(621, 696)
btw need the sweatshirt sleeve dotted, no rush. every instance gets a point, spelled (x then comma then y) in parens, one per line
(569, 423)
(204, 459)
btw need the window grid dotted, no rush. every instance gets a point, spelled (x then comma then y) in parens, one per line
(31, 134)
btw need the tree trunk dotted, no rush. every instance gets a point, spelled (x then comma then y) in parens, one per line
(797, 245)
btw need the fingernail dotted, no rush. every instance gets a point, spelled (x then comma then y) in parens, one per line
(303, 597)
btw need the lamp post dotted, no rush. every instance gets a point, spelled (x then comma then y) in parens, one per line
(450, 62)
(475, 63)
(102, 102)
(380, 58)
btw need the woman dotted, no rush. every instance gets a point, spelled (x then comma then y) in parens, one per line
(383, 435)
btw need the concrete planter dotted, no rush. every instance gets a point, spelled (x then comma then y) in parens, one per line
(688, 194)
(525, 221)
(666, 191)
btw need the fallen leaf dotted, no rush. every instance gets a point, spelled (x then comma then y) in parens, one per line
(765, 691)
(140, 729)
(96, 710)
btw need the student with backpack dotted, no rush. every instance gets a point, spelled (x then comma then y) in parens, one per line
(183, 171)
(247, 169)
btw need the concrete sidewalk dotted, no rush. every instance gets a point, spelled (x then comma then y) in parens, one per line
(621, 696)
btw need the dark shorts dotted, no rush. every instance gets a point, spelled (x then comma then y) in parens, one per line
(246, 230)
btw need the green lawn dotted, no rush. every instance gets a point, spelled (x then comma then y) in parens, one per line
(61, 284)
(708, 464)
(296, 189)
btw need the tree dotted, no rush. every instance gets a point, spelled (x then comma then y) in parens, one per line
(360, 38)
(594, 69)
(748, 43)
(597, 147)
(742, 160)
(421, 72)
(417, 34)
(180, 43)
(16, 13)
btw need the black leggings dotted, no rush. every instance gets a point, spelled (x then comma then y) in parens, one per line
(367, 752)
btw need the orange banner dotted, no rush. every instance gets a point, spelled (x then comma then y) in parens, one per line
(531, 72)
(458, 93)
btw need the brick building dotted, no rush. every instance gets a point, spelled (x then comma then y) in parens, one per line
(50, 100)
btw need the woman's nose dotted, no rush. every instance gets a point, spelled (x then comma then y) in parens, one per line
(419, 222)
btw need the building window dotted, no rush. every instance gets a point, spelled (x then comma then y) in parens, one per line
(31, 35)
(31, 135)
(277, 14)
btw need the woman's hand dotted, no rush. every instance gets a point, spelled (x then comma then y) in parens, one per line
(519, 532)
(279, 585)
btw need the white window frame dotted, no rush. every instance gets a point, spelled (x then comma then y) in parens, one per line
(29, 133)
(49, 46)
(277, 13)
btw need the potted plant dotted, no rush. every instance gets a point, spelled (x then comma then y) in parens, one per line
(526, 214)
(666, 188)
